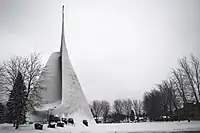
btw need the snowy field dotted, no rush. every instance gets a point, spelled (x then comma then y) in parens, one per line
(110, 128)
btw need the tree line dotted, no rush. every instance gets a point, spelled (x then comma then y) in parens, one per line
(120, 110)
(181, 89)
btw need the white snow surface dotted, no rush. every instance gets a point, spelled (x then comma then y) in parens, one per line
(109, 128)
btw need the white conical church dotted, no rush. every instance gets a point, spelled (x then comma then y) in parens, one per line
(62, 95)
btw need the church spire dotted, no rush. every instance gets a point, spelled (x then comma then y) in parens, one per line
(63, 19)
(63, 31)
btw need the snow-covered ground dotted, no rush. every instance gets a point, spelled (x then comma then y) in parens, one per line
(150, 127)
(110, 128)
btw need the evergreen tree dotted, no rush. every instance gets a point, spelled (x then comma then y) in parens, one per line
(132, 116)
(17, 102)
(1, 113)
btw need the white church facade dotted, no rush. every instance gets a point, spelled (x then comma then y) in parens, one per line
(63, 95)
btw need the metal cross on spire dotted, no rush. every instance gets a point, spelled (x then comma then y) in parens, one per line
(63, 14)
(63, 9)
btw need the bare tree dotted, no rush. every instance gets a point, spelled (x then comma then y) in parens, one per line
(176, 99)
(96, 108)
(137, 105)
(118, 111)
(127, 108)
(117, 106)
(181, 88)
(166, 96)
(179, 82)
(169, 99)
(105, 109)
(1, 85)
(189, 76)
(195, 66)
(31, 69)
(140, 103)
(177, 102)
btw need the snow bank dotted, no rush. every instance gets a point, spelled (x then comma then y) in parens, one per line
(7, 128)
(147, 127)
(110, 128)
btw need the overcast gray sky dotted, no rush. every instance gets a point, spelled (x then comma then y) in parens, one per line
(118, 48)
